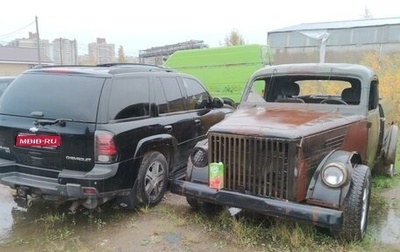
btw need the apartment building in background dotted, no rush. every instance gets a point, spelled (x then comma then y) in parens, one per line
(65, 51)
(101, 52)
(31, 42)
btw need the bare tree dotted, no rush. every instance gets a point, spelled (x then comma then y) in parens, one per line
(234, 38)
(121, 55)
(367, 13)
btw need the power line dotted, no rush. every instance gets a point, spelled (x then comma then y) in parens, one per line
(16, 31)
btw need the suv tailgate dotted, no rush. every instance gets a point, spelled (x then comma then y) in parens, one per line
(48, 122)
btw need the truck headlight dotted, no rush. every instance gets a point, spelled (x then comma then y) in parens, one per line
(199, 157)
(334, 174)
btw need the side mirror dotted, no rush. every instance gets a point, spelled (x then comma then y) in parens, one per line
(217, 102)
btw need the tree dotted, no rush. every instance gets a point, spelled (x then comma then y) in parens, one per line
(234, 38)
(367, 13)
(121, 55)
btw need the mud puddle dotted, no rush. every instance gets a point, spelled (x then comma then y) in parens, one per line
(6, 206)
(386, 228)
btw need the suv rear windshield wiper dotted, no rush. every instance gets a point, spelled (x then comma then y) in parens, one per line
(61, 121)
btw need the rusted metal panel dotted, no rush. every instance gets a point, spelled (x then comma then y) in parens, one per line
(283, 122)
(356, 139)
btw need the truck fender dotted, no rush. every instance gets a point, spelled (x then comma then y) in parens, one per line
(390, 144)
(319, 193)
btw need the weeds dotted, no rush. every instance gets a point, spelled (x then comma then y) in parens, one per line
(50, 220)
(99, 223)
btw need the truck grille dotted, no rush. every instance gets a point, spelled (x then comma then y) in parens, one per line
(253, 165)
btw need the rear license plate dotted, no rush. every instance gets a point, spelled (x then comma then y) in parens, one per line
(24, 140)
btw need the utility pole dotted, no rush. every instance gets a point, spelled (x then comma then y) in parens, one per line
(61, 51)
(38, 40)
(75, 53)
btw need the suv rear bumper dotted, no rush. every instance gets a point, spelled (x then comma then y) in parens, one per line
(83, 182)
(320, 216)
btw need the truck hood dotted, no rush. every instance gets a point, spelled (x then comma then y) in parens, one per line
(283, 122)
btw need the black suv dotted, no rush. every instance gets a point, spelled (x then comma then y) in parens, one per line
(89, 134)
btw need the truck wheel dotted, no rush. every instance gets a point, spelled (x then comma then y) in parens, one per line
(384, 169)
(390, 148)
(151, 183)
(204, 207)
(386, 165)
(389, 170)
(356, 206)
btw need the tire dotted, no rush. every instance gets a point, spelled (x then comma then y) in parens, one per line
(391, 145)
(152, 179)
(384, 169)
(356, 206)
(204, 207)
(142, 192)
(389, 170)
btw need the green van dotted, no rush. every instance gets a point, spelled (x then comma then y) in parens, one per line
(224, 70)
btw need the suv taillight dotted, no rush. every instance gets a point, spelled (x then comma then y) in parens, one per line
(105, 150)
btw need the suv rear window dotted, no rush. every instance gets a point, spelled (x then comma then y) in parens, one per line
(53, 97)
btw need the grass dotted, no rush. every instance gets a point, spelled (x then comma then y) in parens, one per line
(260, 233)
(54, 230)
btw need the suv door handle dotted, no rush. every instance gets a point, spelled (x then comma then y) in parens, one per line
(168, 128)
(197, 121)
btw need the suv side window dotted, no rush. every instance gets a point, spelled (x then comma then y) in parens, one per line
(196, 94)
(129, 98)
(161, 101)
(173, 94)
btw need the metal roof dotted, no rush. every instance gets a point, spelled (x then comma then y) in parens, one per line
(345, 69)
(341, 24)
(19, 54)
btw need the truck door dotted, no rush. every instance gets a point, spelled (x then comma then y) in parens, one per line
(374, 122)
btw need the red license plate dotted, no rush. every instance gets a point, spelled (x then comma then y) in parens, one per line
(37, 141)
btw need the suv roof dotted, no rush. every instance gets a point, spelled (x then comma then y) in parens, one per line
(106, 68)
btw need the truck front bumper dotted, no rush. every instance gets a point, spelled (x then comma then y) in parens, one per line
(319, 216)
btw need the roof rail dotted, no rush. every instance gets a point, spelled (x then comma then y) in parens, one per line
(140, 66)
(125, 64)
(124, 67)
(48, 66)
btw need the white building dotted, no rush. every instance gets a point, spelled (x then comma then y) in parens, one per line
(101, 52)
(65, 52)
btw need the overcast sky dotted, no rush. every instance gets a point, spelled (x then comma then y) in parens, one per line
(138, 25)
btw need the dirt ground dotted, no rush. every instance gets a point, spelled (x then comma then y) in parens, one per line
(170, 226)
(153, 231)
(156, 229)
